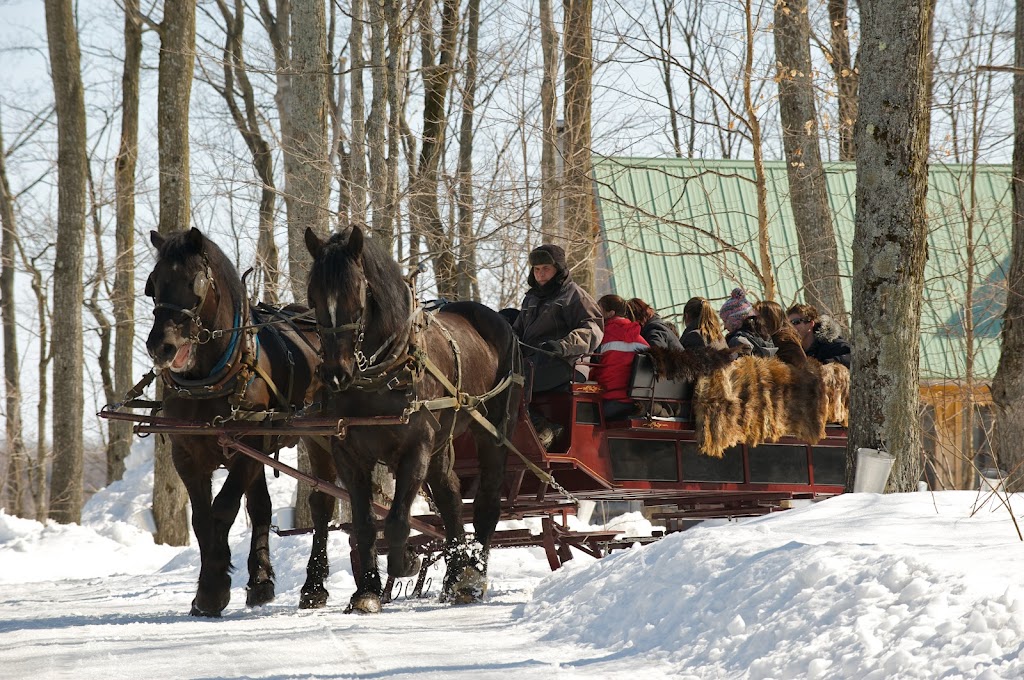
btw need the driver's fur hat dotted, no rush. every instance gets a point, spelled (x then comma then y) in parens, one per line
(548, 253)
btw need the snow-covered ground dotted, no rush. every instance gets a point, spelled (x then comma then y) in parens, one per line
(861, 586)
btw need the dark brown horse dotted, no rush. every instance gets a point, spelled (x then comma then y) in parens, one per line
(383, 356)
(213, 370)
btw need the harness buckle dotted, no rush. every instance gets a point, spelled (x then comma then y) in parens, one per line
(393, 383)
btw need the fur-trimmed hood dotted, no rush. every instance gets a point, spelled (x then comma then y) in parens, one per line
(827, 329)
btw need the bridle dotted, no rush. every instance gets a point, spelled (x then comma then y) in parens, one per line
(368, 367)
(201, 287)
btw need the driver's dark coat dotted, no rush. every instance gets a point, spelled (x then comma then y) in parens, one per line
(572, 318)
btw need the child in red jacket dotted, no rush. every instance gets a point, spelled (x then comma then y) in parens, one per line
(621, 342)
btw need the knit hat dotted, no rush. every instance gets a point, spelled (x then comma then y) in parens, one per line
(736, 309)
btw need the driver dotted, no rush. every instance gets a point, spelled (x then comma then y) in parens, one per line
(562, 321)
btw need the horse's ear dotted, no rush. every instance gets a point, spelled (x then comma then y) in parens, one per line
(195, 239)
(314, 244)
(156, 239)
(354, 247)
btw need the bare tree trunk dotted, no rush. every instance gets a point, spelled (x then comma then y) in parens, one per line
(808, 194)
(754, 125)
(395, 84)
(310, 189)
(437, 73)
(174, 92)
(847, 77)
(357, 162)
(123, 298)
(1008, 384)
(13, 495)
(66, 482)
(467, 240)
(580, 225)
(376, 123)
(37, 470)
(890, 244)
(549, 200)
(247, 123)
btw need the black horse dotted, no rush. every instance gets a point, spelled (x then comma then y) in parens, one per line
(383, 356)
(213, 369)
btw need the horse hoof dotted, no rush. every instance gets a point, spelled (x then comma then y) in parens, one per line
(259, 594)
(470, 587)
(316, 599)
(365, 603)
(198, 611)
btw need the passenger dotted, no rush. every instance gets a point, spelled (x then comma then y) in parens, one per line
(559, 322)
(702, 326)
(744, 331)
(622, 340)
(656, 331)
(783, 335)
(819, 335)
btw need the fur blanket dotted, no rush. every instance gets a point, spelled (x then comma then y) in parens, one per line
(753, 400)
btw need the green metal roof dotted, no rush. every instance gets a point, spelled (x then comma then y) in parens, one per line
(663, 223)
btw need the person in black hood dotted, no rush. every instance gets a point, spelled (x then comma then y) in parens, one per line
(655, 330)
(819, 334)
(558, 322)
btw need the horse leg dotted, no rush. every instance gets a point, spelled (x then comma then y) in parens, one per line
(487, 502)
(260, 588)
(367, 598)
(314, 594)
(409, 476)
(214, 589)
(462, 579)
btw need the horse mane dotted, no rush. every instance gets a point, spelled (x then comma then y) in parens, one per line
(388, 289)
(181, 247)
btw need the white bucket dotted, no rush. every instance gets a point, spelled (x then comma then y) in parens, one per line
(990, 480)
(873, 468)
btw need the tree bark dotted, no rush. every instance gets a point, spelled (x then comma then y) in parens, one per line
(767, 268)
(66, 495)
(310, 176)
(890, 234)
(174, 92)
(14, 496)
(808, 194)
(549, 201)
(580, 224)
(357, 162)
(123, 297)
(437, 72)
(847, 77)
(1008, 384)
(376, 124)
(467, 240)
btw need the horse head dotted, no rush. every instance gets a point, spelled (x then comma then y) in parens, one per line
(189, 299)
(338, 293)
